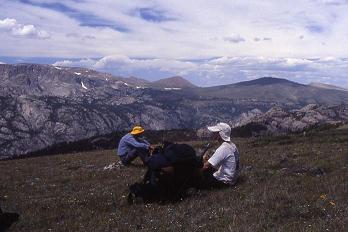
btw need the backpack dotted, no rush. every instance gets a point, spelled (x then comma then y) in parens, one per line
(156, 186)
(181, 154)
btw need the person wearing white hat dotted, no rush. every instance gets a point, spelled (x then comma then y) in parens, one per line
(221, 169)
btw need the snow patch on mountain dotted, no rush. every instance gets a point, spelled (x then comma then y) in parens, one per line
(83, 86)
(172, 88)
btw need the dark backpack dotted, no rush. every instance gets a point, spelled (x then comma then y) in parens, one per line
(180, 154)
(155, 186)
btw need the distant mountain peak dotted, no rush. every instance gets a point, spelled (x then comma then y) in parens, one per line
(267, 81)
(174, 82)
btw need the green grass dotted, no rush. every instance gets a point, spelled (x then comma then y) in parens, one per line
(292, 183)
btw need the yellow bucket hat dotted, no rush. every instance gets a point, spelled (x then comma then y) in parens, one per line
(137, 130)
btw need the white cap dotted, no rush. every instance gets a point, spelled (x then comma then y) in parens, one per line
(224, 130)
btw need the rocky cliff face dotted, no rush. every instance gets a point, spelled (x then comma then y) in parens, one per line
(42, 105)
(280, 121)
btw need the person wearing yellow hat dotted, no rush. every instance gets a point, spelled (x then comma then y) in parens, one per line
(132, 146)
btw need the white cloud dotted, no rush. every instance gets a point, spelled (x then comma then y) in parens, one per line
(30, 31)
(254, 38)
(121, 64)
(7, 23)
(189, 33)
(290, 62)
(87, 63)
(16, 29)
(223, 70)
(110, 61)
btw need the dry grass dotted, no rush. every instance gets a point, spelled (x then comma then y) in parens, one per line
(291, 183)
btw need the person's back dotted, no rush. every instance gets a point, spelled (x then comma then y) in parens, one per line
(226, 160)
(131, 146)
(123, 147)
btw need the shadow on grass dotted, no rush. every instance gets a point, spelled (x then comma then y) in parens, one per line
(168, 193)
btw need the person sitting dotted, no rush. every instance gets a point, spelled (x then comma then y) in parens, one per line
(132, 146)
(221, 169)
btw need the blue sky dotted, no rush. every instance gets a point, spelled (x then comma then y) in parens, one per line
(207, 42)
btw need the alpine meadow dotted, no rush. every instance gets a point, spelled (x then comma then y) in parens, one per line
(173, 115)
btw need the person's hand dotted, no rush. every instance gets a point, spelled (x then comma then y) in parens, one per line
(205, 158)
(168, 170)
(151, 149)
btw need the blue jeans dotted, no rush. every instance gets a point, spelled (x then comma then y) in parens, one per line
(133, 154)
(154, 164)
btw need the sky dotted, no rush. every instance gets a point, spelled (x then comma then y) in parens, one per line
(207, 42)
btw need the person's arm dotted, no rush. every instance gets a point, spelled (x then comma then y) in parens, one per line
(168, 170)
(144, 141)
(215, 160)
(207, 166)
(133, 142)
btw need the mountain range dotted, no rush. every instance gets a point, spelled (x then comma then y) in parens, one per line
(42, 105)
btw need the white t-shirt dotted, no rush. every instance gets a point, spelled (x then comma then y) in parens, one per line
(225, 160)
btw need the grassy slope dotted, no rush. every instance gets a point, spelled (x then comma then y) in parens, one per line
(283, 190)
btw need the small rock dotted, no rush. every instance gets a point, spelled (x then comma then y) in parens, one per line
(246, 168)
(317, 171)
(113, 166)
